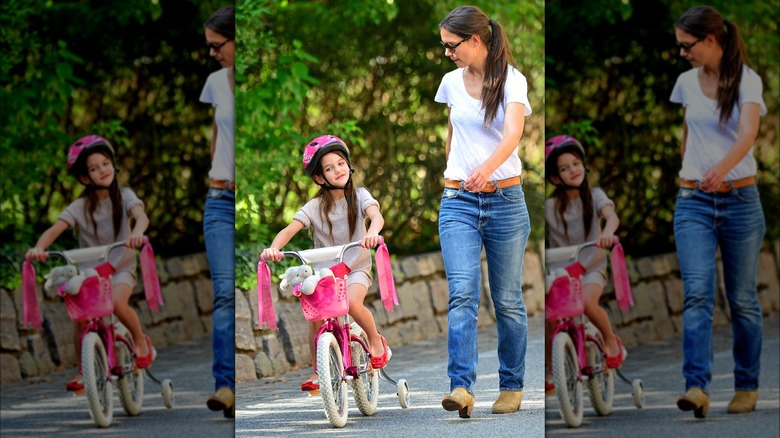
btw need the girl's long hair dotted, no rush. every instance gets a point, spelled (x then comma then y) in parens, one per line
(562, 199)
(327, 203)
(91, 200)
(701, 21)
(470, 20)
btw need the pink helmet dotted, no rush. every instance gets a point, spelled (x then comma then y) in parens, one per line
(556, 146)
(320, 146)
(93, 143)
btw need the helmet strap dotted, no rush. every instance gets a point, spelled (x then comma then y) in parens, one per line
(328, 186)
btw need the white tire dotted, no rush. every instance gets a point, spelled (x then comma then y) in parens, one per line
(97, 385)
(568, 387)
(332, 386)
(131, 383)
(404, 398)
(365, 388)
(638, 393)
(169, 398)
(601, 387)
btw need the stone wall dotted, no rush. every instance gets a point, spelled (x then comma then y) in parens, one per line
(658, 296)
(26, 353)
(422, 293)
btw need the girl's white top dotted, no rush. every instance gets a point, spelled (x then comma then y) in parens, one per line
(576, 234)
(358, 259)
(707, 141)
(77, 217)
(472, 144)
(218, 93)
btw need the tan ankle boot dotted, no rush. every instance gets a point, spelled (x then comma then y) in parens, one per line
(459, 400)
(508, 402)
(694, 400)
(743, 402)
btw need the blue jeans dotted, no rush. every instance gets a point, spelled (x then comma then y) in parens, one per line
(734, 222)
(498, 221)
(219, 230)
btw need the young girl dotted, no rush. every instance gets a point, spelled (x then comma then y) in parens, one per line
(100, 216)
(337, 216)
(572, 215)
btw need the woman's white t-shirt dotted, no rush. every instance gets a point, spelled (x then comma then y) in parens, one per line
(218, 93)
(472, 144)
(708, 142)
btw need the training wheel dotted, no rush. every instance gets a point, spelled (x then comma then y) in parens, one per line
(638, 392)
(403, 394)
(167, 393)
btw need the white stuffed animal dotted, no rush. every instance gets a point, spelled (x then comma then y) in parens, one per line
(74, 284)
(58, 276)
(310, 283)
(293, 276)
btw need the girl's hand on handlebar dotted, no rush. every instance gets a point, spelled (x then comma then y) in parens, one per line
(605, 241)
(36, 255)
(135, 240)
(272, 254)
(369, 241)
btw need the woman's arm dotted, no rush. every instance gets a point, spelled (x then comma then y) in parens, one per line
(377, 222)
(136, 237)
(214, 134)
(274, 253)
(684, 137)
(746, 136)
(38, 253)
(514, 121)
(449, 135)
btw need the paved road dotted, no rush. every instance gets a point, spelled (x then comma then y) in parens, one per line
(43, 406)
(276, 407)
(659, 366)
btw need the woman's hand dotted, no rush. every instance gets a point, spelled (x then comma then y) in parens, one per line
(272, 254)
(36, 255)
(134, 240)
(713, 179)
(478, 178)
(369, 241)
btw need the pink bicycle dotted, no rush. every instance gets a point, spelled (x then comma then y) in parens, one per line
(342, 347)
(107, 348)
(578, 353)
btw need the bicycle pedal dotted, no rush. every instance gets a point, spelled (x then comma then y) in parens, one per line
(78, 392)
(315, 392)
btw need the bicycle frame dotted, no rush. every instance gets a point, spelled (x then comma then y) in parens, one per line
(580, 338)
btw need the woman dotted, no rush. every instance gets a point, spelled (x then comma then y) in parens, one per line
(219, 218)
(718, 203)
(483, 203)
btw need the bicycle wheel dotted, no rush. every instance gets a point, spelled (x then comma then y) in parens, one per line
(131, 382)
(332, 386)
(568, 388)
(365, 389)
(601, 387)
(97, 386)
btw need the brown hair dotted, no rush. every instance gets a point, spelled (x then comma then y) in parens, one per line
(562, 199)
(701, 21)
(327, 203)
(470, 20)
(91, 200)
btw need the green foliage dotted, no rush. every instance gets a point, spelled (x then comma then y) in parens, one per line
(368, 72)
(131, 71)
(610, 70)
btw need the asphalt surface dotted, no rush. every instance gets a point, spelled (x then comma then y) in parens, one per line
(275, 407)
(38, 407)
(659, 366)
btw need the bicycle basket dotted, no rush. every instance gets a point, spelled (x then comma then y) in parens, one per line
(329, 300)
(564, 299)
(94, 300)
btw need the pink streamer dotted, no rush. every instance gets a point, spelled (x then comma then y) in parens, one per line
(265, 305)
(30, 311)
(620, 277)
(154, 298)
(384, 272)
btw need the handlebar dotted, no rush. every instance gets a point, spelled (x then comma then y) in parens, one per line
(74, 256)
(322, 254)
(564, 253)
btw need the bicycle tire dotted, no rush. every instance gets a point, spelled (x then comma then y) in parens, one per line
(601, 387)
(131, 383)
(332, 386)
(568, 387)
(97, 385)
(365, 389)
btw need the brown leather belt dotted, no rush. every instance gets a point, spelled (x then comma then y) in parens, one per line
(725, 186)
(489, 186)
(220, 184)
